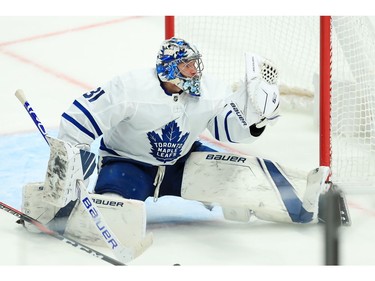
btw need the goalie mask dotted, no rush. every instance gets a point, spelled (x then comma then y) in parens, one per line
(174, 52)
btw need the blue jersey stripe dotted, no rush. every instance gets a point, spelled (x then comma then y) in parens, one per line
(89, 116)
(288, 194)
(78, 125)
(226, 126)
(217, 136)
(103, 147)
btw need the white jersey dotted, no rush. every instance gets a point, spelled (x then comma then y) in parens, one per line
(138, 120)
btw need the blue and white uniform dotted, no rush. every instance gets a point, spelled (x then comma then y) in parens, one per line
(140, 124)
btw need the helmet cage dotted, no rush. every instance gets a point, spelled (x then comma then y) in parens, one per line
(172, 54)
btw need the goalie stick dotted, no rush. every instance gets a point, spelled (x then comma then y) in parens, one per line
(58, 236)
(21, 97)
(124, 254)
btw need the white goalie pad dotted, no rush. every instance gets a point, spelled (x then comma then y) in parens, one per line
(236, 214)
(126, 218)
(34, 206)
(243, 183)
(66, 165)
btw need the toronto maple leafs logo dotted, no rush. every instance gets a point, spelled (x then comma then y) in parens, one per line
(167, 147)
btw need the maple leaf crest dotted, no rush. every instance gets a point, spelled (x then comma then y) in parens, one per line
(168, 146)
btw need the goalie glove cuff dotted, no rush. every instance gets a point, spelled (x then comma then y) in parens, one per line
(269, 120)
(255, 131)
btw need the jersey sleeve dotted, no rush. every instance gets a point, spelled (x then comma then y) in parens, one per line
(95, 112)
(230, 124)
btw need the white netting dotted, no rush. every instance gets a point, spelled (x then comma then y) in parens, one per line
(292, 44)
(353, 102)
(284, 40)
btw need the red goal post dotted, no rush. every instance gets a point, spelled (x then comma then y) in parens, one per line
(325, 63)
(325, 91)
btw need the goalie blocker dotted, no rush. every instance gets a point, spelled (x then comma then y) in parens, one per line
(57, 204)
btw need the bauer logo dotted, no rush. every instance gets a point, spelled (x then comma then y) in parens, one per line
(94, 213)
(239, 115)
(104, 202)
(226, 157)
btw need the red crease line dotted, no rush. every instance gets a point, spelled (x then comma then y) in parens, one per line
(47, 70)
(41, 36)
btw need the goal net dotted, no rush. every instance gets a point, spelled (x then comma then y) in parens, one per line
(353, 102)
(293, 44)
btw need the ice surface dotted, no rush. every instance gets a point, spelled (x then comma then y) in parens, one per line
(55, 59)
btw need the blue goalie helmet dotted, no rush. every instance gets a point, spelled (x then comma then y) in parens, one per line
(173, 56)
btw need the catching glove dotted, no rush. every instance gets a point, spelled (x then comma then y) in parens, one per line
(263, 97)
